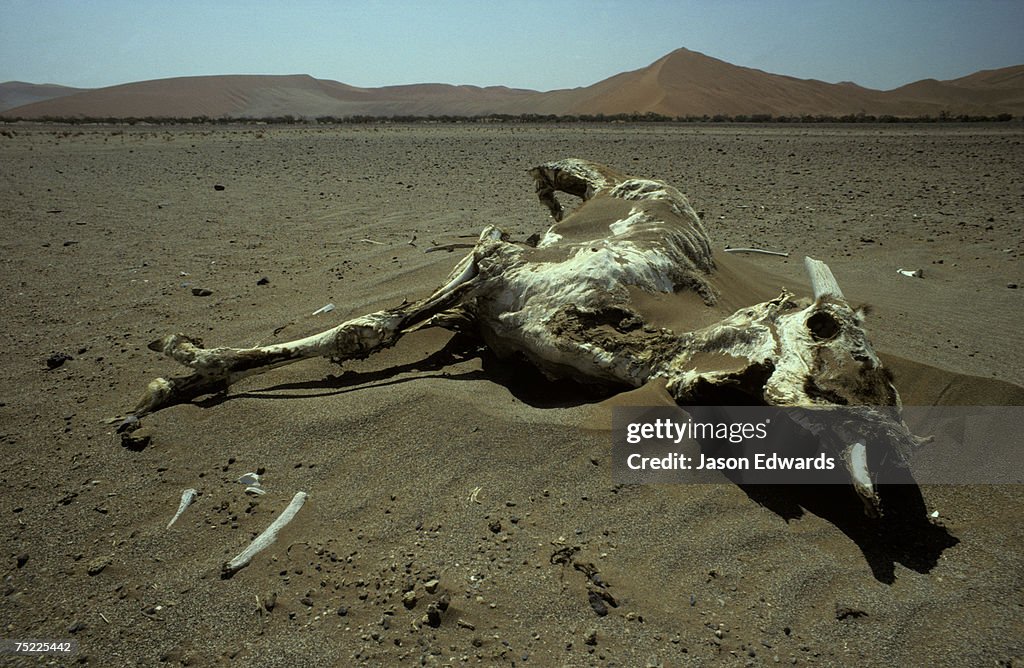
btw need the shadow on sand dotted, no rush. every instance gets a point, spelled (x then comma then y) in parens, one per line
(903, 535)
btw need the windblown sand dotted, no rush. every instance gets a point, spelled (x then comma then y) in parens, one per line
(435, 461)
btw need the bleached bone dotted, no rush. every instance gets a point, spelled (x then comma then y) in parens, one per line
(266, 538)
(187, 497)
(568, 305)
(762, 251)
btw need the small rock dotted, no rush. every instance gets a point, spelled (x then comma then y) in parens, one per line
(409, 600)
(591, 638)
(97, 565)
(270, 602)
(76, 627)
(597, 603)
(433, 616)
(342, 611)
(137, 440)
(306, 601)
(848, 612)
(263, 281)
(218, 187)
(201, 292)
(21, 559)
(1012, 286)
(57, 359)
(432, 585)
(495, 526)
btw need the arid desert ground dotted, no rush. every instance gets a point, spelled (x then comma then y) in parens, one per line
(436, 469)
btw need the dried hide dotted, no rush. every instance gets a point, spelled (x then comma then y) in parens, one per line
(568, 305)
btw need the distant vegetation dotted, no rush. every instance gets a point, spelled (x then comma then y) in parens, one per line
(635, 117)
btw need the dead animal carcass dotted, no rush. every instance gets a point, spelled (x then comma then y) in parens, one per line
(567, 303)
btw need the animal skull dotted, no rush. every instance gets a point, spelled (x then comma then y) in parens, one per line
(568, 304)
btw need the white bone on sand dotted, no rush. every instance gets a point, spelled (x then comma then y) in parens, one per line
(266, 538)
(571, 304)
(187, 497)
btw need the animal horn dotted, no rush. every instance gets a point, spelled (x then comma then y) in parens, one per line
(822, 281)
(856, 459)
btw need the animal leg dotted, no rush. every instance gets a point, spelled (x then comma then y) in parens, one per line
(216, 369)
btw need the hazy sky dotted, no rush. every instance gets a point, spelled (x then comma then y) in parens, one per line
(520, 43)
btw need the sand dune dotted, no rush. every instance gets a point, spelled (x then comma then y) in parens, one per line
(683, 83)
(19, 93)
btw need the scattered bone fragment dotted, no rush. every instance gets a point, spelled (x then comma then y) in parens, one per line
(762, 251)
(911, 273)
(187, 497)
(252, 483)
(266, 538)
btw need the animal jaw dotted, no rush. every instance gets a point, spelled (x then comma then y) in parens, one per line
(566, 304)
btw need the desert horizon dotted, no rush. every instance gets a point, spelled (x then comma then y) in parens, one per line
(682, 83)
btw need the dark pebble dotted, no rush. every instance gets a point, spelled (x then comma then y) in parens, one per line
(342, 611)
(137, 440)
(1012, 286)
(76, 627)
(57, 359)
(201, 292)
(218, 187)
(597, 603)
(21, 559)
(848, 612)
(263, 281)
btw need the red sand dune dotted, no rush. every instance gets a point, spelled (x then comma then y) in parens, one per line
(19, 93)
(683, 83)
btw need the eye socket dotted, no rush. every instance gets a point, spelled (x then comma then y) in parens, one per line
(823, 326)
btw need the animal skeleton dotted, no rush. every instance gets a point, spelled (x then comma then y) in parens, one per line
(567, 304)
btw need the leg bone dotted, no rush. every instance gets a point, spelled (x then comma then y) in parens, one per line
(216, 369)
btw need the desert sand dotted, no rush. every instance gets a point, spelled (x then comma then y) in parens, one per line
(434, 467)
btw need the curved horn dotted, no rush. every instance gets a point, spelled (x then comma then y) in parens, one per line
(856, 460)
(822, 281)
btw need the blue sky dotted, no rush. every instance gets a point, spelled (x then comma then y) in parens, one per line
(526, 44)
